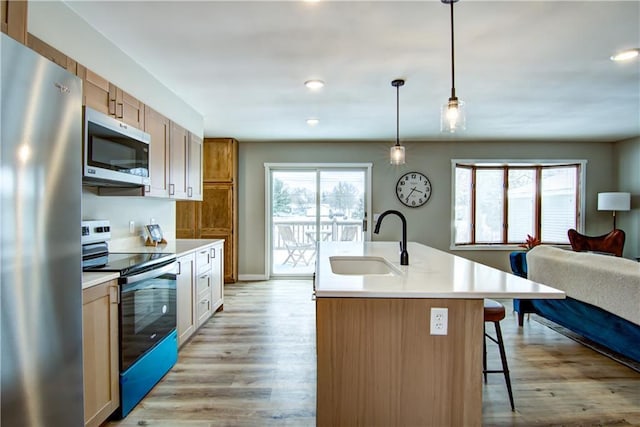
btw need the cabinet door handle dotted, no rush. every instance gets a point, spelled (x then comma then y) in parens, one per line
(114, 294)
(172, 189)
(179, 268)
(204, 276)
(112, 107)
(213, 253)
(190, 192)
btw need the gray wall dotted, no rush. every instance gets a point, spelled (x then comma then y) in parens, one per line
(627, 158)
(429, 224)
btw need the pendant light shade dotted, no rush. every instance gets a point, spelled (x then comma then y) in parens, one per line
(396, 154)
(452, 114)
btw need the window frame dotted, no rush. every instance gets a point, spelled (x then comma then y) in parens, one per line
(514, 164)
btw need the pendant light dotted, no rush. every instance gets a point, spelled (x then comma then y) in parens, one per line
(452, 115)
(397, 151)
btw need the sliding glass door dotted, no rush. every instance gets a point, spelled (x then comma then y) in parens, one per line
(311, 203)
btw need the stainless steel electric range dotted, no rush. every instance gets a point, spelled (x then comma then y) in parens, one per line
(147, 311)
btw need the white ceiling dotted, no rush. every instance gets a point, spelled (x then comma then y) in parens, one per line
(526, 69)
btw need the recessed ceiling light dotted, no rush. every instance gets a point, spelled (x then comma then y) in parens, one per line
(314, 84)
(313, 122)
(625, 55)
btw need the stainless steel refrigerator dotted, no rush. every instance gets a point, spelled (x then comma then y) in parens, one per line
(40, 259)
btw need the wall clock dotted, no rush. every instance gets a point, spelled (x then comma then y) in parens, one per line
(413, 189)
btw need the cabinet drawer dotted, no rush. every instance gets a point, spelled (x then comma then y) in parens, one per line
(203, 260)
(203, 309)
(203, 282)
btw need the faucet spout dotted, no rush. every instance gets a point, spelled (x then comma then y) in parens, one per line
(404, 255)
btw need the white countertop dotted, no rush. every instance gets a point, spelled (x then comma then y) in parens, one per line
(179, 247)
(431, 273)
(90, 278)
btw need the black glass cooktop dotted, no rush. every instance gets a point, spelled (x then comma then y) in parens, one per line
(126, 263)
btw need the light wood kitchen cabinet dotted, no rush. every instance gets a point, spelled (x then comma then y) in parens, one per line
(185, 295)
(95, 91)
(14, 19)
(200, 289)
(103, 96)
(217, 221)
(179, 162)
(187, 219)
(158, 126)
(194, 168)
(219, 162)
(51, 53)
(208, 282)
(216, 216)
(100, 352)
(126, 107)
(185, 175)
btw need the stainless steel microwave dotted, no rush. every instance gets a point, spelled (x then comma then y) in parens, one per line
(115, 153)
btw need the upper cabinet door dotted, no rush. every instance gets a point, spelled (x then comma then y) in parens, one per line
(220, 159)
(179, 162)
(95, 91)
(159, 127)
(195, 168)
(126, 108)
(14, 19)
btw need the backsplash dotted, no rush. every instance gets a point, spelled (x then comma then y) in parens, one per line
(120, 210)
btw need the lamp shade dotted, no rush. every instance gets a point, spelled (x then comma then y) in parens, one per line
(617, 201)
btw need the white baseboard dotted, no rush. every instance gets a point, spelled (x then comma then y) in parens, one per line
(252, 277)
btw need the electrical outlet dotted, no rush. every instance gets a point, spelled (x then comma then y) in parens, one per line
(439, 320)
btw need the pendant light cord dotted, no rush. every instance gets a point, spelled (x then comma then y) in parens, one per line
(453, 83)
(398, 115)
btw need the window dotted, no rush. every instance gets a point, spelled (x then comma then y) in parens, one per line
(497, 203)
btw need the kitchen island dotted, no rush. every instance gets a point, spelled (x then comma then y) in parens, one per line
(378, 363)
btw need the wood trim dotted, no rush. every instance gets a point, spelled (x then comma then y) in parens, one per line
(14, 19)
(379, 366)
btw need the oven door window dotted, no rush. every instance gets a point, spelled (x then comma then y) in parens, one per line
(148, 314)
(109, 150)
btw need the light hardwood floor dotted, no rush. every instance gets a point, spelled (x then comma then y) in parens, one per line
(254, 365)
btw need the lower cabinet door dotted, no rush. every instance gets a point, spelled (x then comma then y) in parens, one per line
(185, 297)
(100, 352)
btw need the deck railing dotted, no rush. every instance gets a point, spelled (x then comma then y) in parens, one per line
(304, 231)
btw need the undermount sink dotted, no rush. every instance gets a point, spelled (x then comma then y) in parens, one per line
(362, 266)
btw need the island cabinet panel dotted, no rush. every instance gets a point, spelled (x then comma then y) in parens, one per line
(378, 365)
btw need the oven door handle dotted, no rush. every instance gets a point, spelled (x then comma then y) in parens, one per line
(170, 268)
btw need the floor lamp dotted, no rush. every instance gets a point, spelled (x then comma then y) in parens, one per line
(616, 201)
